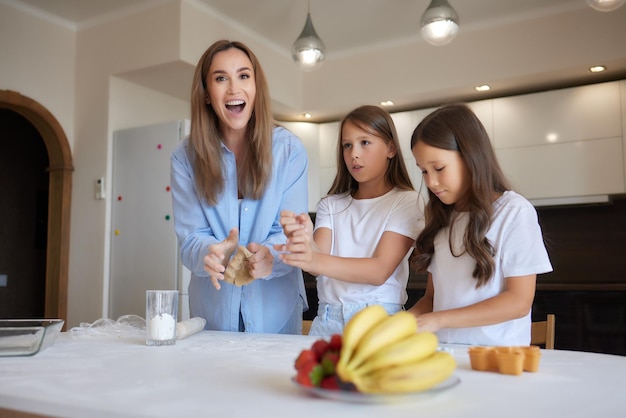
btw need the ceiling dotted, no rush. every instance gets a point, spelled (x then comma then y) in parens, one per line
(349, 27)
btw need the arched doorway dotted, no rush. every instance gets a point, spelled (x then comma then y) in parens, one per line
(59, 201)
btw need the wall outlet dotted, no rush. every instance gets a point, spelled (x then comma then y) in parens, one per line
(100, 189)
(3, 280)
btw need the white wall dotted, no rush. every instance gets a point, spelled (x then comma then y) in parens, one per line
(37, 61)
(132, 105)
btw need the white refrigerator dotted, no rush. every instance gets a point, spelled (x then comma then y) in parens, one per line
(144, 247)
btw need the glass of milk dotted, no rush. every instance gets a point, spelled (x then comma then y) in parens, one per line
(161, 317)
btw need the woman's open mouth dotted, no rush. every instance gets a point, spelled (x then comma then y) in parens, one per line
(236, 106)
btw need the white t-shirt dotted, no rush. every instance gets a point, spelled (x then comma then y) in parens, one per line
(357, 226)
(517, 240)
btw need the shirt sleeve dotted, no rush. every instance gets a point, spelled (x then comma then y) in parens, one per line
(322, 218)
(407, 215)
(523, 248)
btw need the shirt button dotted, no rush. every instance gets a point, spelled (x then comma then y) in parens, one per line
(245, 209)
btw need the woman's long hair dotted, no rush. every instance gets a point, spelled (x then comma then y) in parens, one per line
(377, 122)
(255, 170)
(455, 127)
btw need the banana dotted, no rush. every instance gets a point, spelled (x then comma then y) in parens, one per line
(392, 329)
(354, 330)
(408, 377)
(411, 349)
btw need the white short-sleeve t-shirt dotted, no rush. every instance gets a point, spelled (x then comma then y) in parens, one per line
(357, 226)
(517, 240)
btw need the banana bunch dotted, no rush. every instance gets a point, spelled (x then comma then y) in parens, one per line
(384, 353)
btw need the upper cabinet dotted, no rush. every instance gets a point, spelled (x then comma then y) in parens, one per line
(554, 117)
(562, 144)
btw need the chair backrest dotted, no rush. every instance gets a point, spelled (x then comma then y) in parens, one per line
(542, 332)
(306, 326)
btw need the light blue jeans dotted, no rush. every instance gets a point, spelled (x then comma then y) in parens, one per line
(331, 319)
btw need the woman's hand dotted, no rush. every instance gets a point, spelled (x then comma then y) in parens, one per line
(219, 254)
(261, 262)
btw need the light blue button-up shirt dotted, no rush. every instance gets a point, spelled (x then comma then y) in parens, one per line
(266, 304)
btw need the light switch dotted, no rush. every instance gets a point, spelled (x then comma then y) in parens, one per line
(100, 190)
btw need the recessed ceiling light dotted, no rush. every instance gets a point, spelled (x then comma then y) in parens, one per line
(387, 103)
(597, 68)
(552, 137)
(484, 87)
(307, 116)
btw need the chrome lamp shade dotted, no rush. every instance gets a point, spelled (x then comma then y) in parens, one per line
(308, 50)
(440, 23)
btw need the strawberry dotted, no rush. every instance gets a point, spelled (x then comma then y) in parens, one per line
(330, 382)
(320, 347)
(329, 362)
(305, 356)
(335, 342)
(310, 374)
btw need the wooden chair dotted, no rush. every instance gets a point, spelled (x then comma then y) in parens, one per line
(542, 332)
(306, 326)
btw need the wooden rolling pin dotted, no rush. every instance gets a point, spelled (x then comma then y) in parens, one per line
(189, 327)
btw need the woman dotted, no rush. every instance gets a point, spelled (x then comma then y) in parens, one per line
(230, 180)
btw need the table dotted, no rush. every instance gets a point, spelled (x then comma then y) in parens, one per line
(223, 374)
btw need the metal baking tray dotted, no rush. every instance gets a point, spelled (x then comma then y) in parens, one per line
(27, 337)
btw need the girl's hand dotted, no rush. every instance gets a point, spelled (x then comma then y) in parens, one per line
(289, 221)
(296, 224)
(304, 220)
(218, 256)
(428, 322)
(261, 262)
(300, 248)
(299, 251)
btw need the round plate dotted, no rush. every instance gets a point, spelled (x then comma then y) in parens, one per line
(358, 397)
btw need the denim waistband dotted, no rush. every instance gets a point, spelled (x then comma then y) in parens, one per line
(344, 312)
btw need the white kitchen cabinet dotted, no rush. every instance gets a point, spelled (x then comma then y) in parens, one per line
(573, 114)
(329, 135)
(309, 135)
(562, 143)
(404, 123)
(571, 169)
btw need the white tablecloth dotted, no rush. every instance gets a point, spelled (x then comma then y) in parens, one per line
(220, 374)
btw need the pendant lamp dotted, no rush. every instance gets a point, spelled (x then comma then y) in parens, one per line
(606, 5)
(440, 23)
(308, 50)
